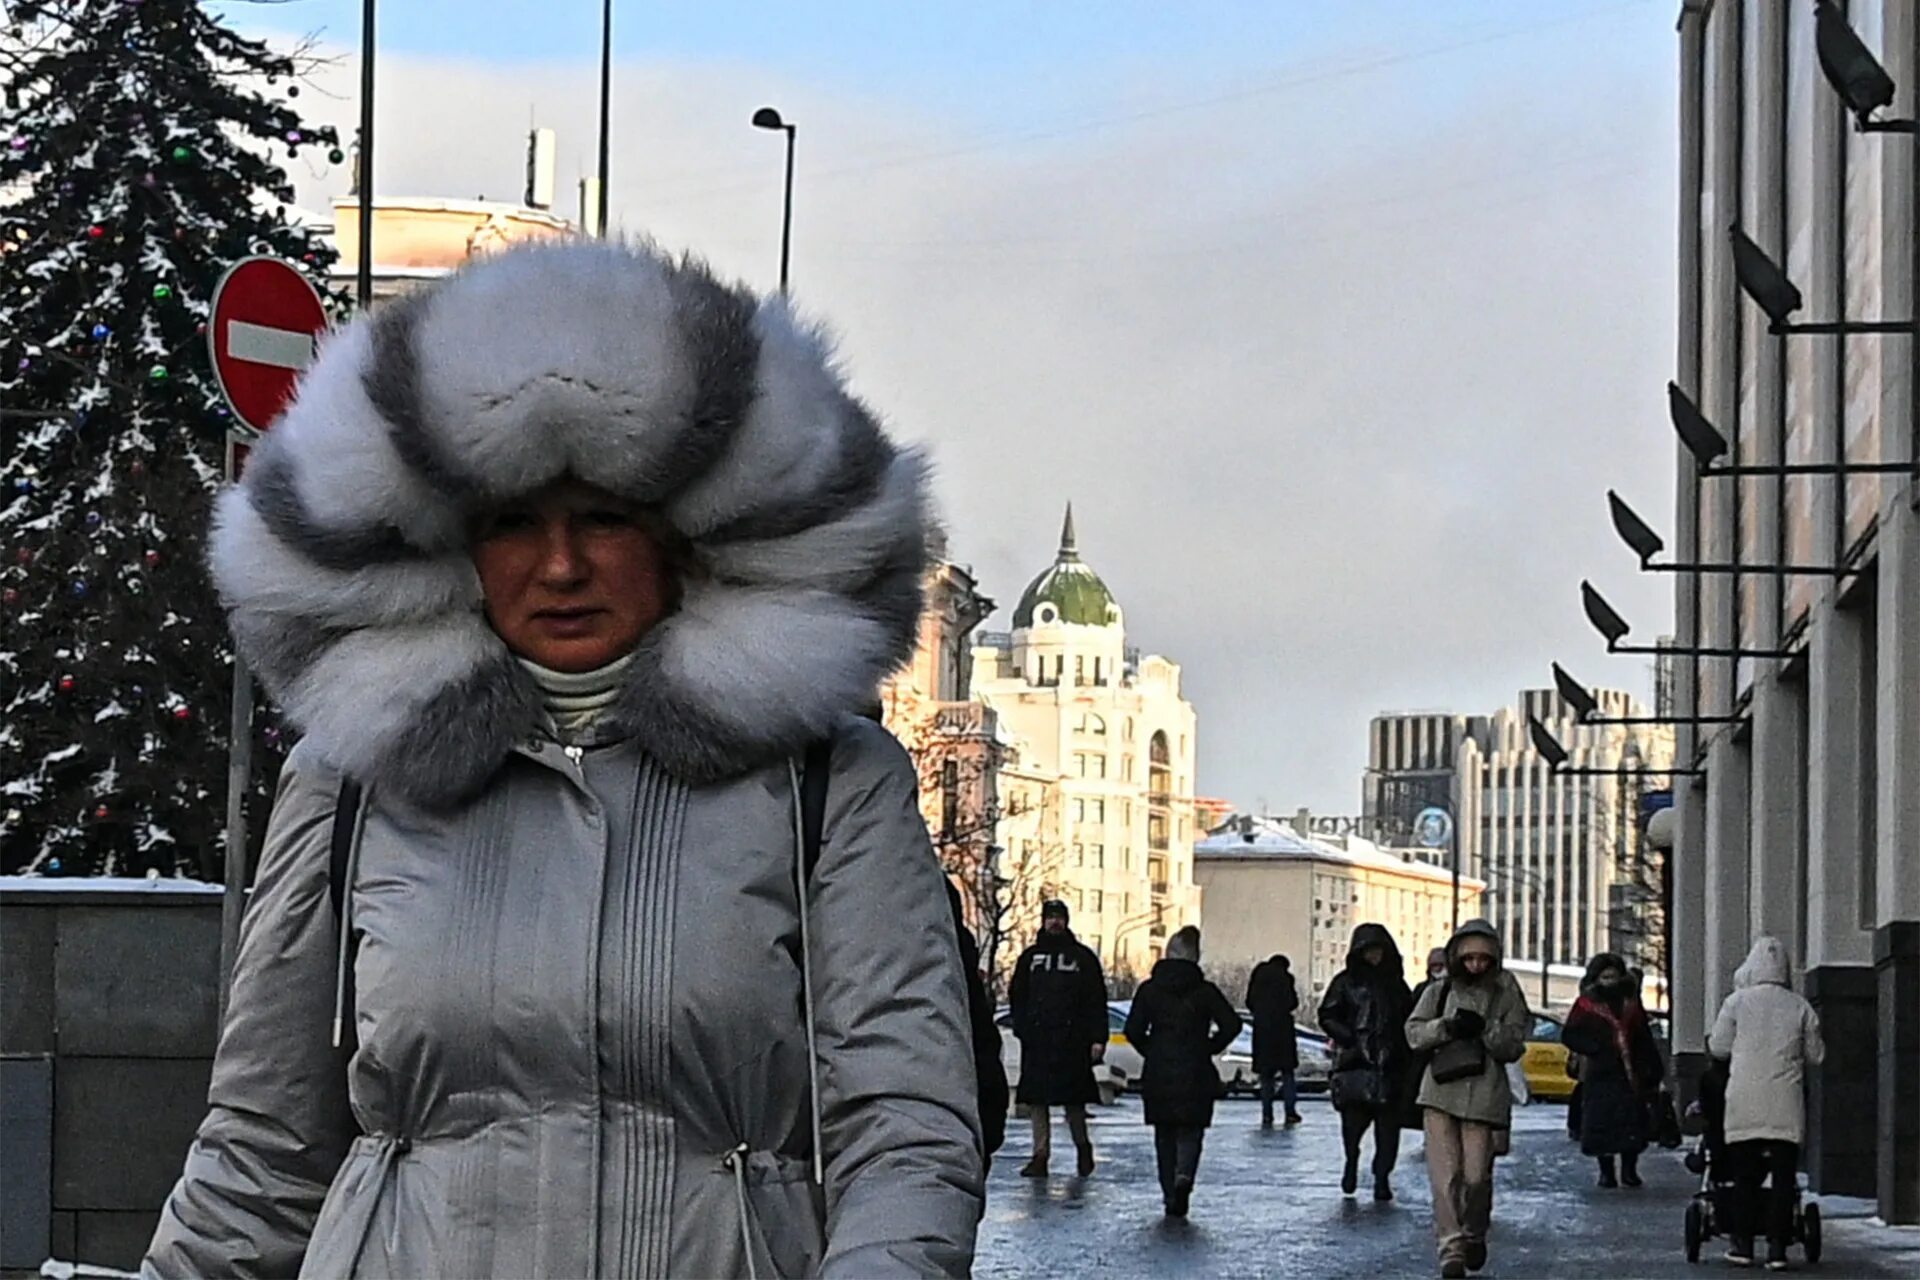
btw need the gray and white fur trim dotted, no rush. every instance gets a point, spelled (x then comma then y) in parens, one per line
(342, 556)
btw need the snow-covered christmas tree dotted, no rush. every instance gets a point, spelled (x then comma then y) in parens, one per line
(140, 143)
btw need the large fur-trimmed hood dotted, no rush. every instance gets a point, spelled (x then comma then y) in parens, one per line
(342, 556)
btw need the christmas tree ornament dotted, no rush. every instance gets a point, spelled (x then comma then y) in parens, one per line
(293, 136)
(66, 684)
(54, 866)
(200, 330)
(93, 519)
(158, 373)
(101, 333)
(79, 586)
(10, 596)
(23, 485)
(161, 292)
(182, 713)
(100, 811)
(152, 558)
(336, 156)
(96, 232)
(182, 154)
(20, 142)
(293, 91)
(149, 181)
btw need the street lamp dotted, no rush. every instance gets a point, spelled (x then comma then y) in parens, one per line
(768, 118)
(1586, 708)
(1556, 757)
(1762, 280)
(1855, 74)
(1614, 628)
(1708, 446)
(1645, 543)
(606, 113)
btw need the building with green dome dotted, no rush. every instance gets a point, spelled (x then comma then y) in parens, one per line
(1099, 782)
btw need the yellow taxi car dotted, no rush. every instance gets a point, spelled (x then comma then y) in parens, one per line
(1545, 1061)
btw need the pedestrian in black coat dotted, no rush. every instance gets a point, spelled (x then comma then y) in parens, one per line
(1620, 1068)
(1272, 998)
(1178, 1022)
(1364, 1014)
(1059, 1004)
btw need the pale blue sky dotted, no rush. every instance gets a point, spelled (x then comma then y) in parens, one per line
(1336, 319)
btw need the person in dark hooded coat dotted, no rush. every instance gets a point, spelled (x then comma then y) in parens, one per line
(1620, 1068)
(1364, 1014)
(1059, 1002)
(1272, 998)
(1178, 1022)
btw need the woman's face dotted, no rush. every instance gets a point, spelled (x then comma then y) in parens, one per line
(1476, 962)
(570, 576)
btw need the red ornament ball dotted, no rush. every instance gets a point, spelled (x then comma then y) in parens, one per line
(182, 713)
(152, 558)
(66, 684)
(100, 811)
(96, 232)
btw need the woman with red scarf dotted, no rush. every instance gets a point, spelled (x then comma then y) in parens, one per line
(1621, 1068)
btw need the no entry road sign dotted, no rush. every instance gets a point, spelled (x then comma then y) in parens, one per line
(266, 318)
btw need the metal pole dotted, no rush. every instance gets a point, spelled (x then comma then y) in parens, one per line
(364, 291)
(606, 108)
(239, 775)
(786, 213)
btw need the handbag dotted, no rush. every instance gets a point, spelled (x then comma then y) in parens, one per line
(1359, 1087)
(1458, 1060)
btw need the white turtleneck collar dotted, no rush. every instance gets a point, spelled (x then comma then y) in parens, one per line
(574, 700)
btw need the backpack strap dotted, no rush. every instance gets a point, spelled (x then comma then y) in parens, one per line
(810, 779)
(815, 769)
(346, 816)
(341, 864)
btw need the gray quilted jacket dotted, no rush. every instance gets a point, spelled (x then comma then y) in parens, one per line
(581, 1041)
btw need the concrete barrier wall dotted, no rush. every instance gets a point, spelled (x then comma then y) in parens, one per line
(108, 999)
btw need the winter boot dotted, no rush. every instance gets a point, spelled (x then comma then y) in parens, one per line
(1776, 1256)
(1034, 1169)
(1630, 1171)
(1740, 1251)
(1382, 1189)
(1350, 1177)
(1476, 1254)
(1453, 1268)
(1607, 1180)
(1085, 1164)
(1182, 1194)
(1266, 1117)
(1293, 1117)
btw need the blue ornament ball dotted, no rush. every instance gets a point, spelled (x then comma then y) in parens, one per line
(54, 865)
(23, 485)
(93, 519)
(101, 333)
(79, 587)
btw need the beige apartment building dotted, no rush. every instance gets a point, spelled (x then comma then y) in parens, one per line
(1100, 747)
(1269, 888)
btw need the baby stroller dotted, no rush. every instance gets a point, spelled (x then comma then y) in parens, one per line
(1711, 1208)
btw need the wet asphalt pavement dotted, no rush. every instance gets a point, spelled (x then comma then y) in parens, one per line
(1268, 1203)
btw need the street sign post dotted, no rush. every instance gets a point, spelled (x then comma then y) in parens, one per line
(261, 330)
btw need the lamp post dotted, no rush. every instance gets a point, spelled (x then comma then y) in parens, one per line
(606, 112)
(768, 118)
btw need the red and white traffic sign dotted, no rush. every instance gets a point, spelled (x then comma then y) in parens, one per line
(266, 320)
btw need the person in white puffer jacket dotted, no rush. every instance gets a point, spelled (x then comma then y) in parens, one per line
(1768, 1036)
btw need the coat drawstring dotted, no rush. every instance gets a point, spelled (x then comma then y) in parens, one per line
(806, 974)
(736, 1160)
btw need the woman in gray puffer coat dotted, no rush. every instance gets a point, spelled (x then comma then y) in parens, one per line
(572, 560)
